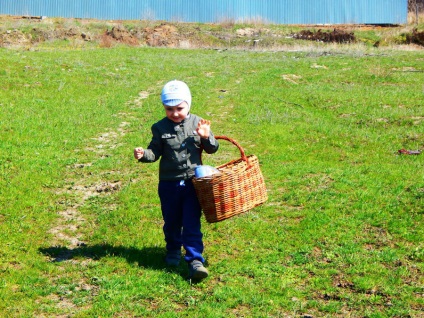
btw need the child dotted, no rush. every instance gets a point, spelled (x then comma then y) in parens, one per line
(177, 140)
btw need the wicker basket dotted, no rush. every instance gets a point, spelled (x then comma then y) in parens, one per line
(238, 188)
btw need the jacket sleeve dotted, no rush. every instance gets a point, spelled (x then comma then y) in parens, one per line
(210, 145)
(155, 148)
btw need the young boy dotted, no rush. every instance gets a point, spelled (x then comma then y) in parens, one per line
(177, 140)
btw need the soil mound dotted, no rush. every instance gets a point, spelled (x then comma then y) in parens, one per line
(416, 37)
(14, 38)
(121, 34)
(335, 36)
(162, 35)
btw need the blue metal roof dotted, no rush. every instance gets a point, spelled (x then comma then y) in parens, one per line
(207, 11)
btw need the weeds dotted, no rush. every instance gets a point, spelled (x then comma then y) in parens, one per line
(254, 34)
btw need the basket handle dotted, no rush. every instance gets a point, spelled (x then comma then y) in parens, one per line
(242, 154)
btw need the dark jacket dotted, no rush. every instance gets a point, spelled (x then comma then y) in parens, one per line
(178, 146)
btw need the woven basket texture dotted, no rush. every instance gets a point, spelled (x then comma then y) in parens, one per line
(237, 189)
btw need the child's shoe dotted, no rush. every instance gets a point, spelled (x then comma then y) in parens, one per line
(197, 270)
(173, 258)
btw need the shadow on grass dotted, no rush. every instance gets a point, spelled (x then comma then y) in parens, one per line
(149, 257)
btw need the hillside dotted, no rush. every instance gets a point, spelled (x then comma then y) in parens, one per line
(33, 32)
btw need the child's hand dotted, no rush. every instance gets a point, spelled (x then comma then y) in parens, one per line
(138, 153)
(203, 128)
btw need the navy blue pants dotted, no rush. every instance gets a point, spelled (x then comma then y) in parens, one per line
(181, 212)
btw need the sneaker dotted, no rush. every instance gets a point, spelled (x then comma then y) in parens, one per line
(173, 258)
(197, 270)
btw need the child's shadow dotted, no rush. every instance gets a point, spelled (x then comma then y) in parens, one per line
(148, 257)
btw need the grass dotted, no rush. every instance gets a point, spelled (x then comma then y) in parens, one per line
(341, 234)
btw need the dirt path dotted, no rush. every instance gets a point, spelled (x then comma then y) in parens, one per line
(69, 233)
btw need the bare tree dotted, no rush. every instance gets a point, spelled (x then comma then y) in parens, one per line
(416, 9)
(415, 5)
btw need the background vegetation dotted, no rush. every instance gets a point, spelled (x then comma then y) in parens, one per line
(33, 33)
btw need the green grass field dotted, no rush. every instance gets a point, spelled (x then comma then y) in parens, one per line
(340, 236)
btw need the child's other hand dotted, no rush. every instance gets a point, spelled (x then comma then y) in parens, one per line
(138, 153)
(203, 128)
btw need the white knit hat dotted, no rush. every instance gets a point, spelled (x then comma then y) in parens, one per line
(175, 92)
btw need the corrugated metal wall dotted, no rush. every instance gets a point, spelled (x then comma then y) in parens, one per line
(272, 11)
